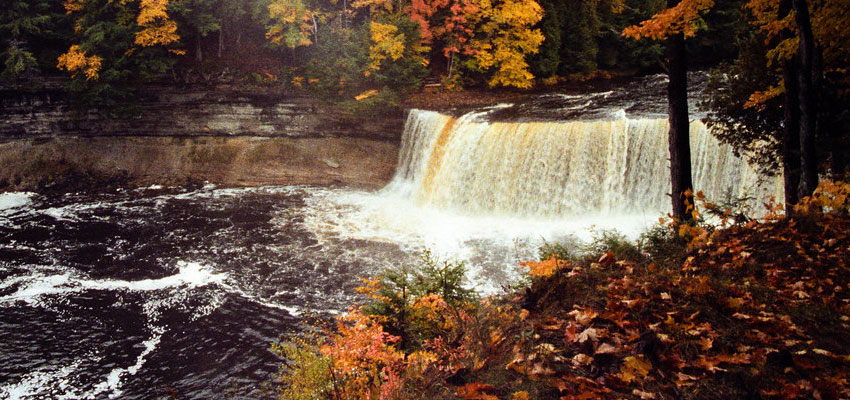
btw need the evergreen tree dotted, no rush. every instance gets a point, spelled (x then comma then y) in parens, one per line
(30, 31)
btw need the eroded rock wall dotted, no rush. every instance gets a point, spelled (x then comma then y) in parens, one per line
(191, 111)
(222, 135)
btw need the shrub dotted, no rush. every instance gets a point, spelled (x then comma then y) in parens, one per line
(616, 243)
(663, 244)
(306, 375)
(404, 298)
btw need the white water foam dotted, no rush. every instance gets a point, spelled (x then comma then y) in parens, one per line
(15, 200)
(60, 383)
(112, 383)
(32, 289)
(43, 383)
(504, 240)
(36, 288)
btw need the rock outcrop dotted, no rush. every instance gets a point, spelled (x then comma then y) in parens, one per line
(224, 135)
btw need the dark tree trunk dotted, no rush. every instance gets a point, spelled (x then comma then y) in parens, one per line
(808, 98)
(679, 134)
(221, 40)
(199, 53)
(838, 160)
(791, 134)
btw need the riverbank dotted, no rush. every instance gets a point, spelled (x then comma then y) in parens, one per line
(62, 164)
(756, 310)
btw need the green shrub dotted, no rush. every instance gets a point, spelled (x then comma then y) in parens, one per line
(616, 243)
(395, 294)
(306, 374)
(569, 250)
(663, 245)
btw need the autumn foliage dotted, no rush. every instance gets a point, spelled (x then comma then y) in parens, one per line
(76, 61)
(759, 309)
(683, 18)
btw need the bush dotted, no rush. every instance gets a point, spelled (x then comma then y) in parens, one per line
(567, 250)
(663, 244)
(306, 375)
(404, 299)
(616, 243)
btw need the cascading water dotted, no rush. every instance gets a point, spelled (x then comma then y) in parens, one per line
(616, 166)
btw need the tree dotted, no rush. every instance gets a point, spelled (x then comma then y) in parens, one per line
(546, 62)
(456, 29)
(29, 30)
(680, 20)
(779, 86)
(754, 133)
(117, 44)
(503, 38)
(291, 23)
(579, 47)
(197, 19)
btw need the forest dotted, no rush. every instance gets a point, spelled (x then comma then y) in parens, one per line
(341, 48)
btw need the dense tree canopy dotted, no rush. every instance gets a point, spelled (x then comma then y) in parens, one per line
(110, 47)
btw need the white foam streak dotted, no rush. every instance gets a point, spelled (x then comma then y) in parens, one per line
(40, 384)
(112, 384)
(36, 287)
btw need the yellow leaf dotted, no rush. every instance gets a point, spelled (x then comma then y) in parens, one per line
(634, 368)
(365, 95)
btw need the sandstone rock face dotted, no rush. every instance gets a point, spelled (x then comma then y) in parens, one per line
(198, 111)
(224, 135)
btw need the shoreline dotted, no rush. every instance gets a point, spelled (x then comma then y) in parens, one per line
(66, 164)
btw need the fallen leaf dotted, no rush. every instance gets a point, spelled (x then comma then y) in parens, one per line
(606, 259)
(605, 348)
(634, 367)
(523, 395)
(476, 391)
(643, 395)
(587, 334)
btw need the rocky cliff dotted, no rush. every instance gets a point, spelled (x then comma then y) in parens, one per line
(225, 135)
(191, 111)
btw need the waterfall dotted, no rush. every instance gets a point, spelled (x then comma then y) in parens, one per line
(559, 169)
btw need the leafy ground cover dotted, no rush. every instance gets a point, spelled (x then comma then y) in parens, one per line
(756, 309)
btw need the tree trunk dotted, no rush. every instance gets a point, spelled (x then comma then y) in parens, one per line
(808, 98)
(199, 54)
(221, 40)
(679, 134)
(838, 147)
(791, 135)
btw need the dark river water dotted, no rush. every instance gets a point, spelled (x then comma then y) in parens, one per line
(169, 293)
(156, 293)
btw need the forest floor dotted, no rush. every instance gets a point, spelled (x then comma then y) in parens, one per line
(762, 310)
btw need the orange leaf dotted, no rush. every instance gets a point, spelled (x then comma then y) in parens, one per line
(476, 391)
